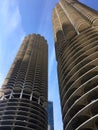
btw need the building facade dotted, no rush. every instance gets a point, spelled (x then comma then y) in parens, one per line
(50, 116)
(76, 43)
(23, 94)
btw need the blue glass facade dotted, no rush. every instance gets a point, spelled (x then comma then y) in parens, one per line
(50, 115)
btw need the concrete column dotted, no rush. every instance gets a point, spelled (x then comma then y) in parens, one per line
(67, 27)
(89, 13)
(77, 20)
(57, 26)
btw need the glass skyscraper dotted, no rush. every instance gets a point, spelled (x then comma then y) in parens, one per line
(50, 116)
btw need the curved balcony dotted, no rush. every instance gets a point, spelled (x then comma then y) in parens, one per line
(30, 115)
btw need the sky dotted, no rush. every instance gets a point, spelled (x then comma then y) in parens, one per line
(19, 18)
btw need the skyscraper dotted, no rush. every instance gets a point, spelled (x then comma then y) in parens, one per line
(50, 116)
(24, 91)
(76, 44)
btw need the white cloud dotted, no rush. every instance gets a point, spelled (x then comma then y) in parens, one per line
(10, 17)
(14, 21)
(11, 34)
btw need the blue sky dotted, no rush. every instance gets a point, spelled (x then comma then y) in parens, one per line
(19, 18)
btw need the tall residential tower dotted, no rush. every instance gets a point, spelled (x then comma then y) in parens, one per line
(76, 44)
(24, 91)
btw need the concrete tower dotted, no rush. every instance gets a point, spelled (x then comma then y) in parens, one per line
(24, 91)
(76, 44)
